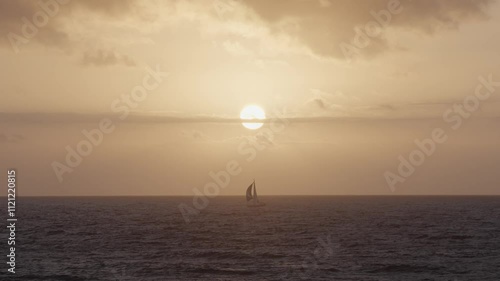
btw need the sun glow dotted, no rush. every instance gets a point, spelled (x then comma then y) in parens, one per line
(252, 112)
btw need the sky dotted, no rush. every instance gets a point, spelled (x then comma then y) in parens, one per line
(129, 97)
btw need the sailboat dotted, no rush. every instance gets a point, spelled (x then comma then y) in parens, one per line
(252, 199)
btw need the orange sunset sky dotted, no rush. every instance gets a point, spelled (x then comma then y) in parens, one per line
(348, 88)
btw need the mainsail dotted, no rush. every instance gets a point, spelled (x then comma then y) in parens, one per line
(249, 192)
(255, 198)
(252, 199)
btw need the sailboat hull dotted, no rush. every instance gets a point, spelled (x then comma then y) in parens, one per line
(260, 204)
(256, 206)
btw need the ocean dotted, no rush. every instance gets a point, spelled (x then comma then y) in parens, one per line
(291, 238)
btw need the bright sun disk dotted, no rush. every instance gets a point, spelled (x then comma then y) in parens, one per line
(252, 112)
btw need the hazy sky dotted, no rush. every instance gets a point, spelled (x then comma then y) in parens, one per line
(355, 83)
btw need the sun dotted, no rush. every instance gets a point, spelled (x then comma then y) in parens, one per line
(252, 112)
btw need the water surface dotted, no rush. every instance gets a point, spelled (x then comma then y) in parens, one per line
(292, 238)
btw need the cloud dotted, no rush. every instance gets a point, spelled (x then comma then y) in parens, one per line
(103, 57)
(114, 8)
(44, 21)
(16, 18)
(7, 138)
(316, 27)
(341, 105)
(264, 139)
(235, 48)
(335, 104)
(196, 135)
(330, 113)
(157, 117)
(253, 137)
(28, 24)
(322, 26)
(325, 99)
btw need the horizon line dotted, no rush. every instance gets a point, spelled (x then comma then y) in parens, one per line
(155, 117)
(279, 195)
